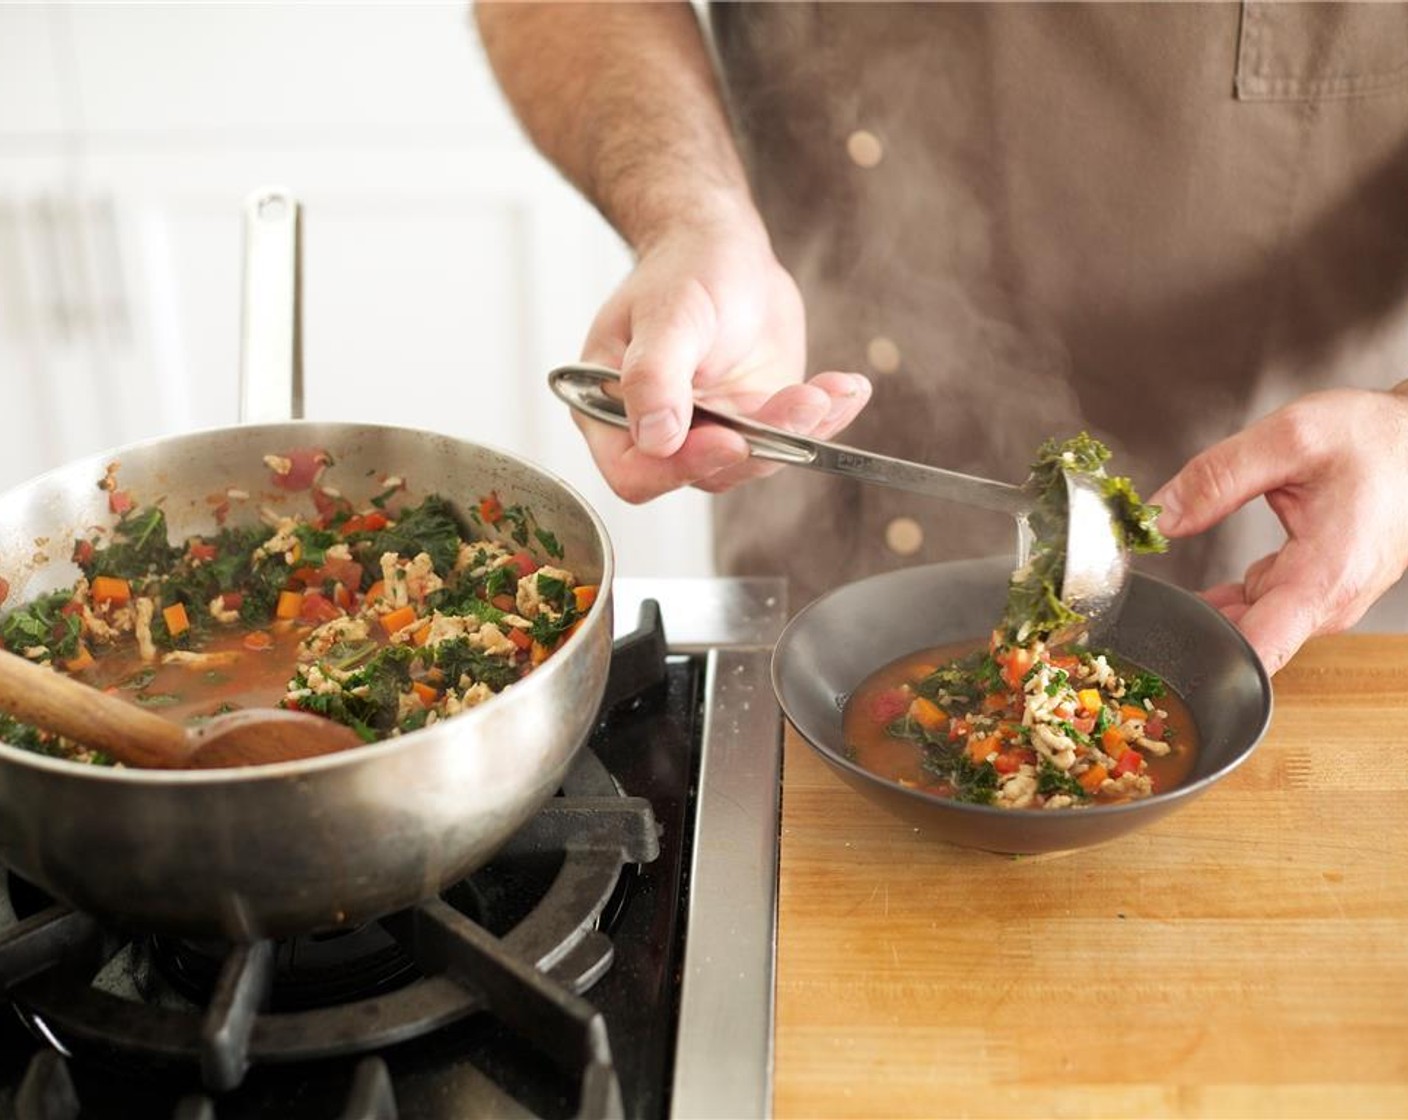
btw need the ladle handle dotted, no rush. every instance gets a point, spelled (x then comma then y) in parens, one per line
(271, 342)
(54, 702)
(582, 387)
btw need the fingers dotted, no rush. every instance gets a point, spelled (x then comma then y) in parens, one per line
(636, 477)
(1277, 624)
(818, 409)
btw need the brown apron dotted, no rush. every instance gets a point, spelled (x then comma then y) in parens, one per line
(1152, 222)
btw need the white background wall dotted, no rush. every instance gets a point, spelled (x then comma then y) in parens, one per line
(446, 266)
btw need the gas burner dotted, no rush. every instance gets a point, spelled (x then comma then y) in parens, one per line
(411, 973)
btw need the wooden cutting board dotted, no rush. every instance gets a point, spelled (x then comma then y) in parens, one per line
(1246, 956)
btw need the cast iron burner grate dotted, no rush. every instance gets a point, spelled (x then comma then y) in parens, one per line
(405, 976)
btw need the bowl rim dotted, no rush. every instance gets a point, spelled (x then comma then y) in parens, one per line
(1164, 800)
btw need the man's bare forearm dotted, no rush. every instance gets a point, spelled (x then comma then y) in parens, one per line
(623, 99)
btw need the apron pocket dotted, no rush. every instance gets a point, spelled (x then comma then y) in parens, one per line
(1308, 52)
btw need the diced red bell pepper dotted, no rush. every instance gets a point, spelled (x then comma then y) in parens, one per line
(1130, 763)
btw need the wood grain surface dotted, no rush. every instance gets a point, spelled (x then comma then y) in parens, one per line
(1245, 957)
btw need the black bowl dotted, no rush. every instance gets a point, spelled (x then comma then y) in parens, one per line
(836, 642)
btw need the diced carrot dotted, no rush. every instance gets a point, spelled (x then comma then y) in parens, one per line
(927, 714)
(376, 591)
(491, 510)
(1091, 779)
(585, 596)
(4, 589)
(538, 653)
(979, 748)
(1112, 742)
(289, 605)
(1090, 700)
(258, 641)
(1133, 711)
(80, 660)
(421, 635)
(995, 701)
(518, 637)
(202, 551)
(399, 619)
(176, 621)
(110, 589)
(427, 695)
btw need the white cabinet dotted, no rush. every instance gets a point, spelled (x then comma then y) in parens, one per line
(446, 266)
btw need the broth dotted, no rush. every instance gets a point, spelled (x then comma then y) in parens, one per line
(871, 712)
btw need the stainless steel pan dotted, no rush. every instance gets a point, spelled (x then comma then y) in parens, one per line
(301, 846)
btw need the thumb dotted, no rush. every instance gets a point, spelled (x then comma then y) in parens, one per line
(668, 343)
(1216, 483)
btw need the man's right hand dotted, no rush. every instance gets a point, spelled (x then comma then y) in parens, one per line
(708, 313)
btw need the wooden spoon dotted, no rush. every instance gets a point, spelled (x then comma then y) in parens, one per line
(253, 737)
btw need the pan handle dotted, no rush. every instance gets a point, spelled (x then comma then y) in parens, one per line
(271, 340)
(583, 387)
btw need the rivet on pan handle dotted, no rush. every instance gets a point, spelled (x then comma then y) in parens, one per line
(271, 341)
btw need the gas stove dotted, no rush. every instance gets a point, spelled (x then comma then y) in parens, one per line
(615, 958)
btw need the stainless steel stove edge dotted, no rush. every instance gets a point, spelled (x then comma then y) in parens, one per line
(724, 1046)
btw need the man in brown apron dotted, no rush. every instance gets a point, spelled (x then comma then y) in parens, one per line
(1158, 223)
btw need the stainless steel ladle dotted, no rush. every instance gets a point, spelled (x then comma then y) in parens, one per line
(1097, 559)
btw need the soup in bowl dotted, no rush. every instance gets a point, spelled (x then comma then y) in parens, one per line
(888, 631)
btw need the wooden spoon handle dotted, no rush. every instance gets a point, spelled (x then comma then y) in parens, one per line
(55, 702)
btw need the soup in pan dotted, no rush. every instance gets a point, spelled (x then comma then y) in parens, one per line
(1021, 727)
(385, 618)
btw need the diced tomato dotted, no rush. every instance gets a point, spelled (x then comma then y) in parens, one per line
(1063, 661)
(372, 522)
(1084, 724)
(222, 511)
(318, 608)
(1131, 762)
(1008, 762)
(886, 707)
(1153, 726)
(344, 598)
(957, 728)
(518, 637)
(73, 606)
(329, 505)
(341, 571)
(305, 575)
(524, 564)
(1016, 662)
(305, 464)
(202, 551)
(82, 553)
(232, 600)
(120, 502)
(4, 589)
(491, 510)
